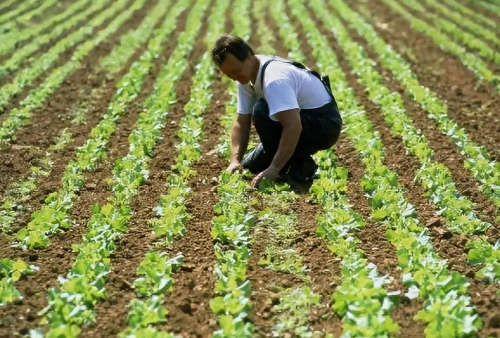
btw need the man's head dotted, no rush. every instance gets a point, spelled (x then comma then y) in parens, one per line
(235, 58)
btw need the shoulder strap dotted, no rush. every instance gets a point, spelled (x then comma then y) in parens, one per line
(324, 79)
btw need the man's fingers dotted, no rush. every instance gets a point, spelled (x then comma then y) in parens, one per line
(256, 180)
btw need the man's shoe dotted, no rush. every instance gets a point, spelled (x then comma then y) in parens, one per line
(303, 170)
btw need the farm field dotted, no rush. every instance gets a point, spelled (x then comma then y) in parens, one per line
(117, 218)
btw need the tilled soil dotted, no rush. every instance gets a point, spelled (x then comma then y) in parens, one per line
(471, 103)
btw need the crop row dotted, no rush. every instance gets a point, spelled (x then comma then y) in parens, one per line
(478, 30)
(54, 215)
(6, 4)
(360, 300)
(19, 192)
(461, 36)
(478, 66)
(277, 222)
(16, 59)
(28, 74)
(435, 177)
(37, 96)
(156, 268)
(231, 227)
(71, 305)
(478, 161)
(13, 13)
(491, 7)
(471, 13)
(425, 274)
(10, 272)
(112, 64)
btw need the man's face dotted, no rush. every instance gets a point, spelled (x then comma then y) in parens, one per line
(235, 69)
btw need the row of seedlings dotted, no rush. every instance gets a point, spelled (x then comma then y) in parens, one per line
(7, 4)
(464, 10)
(361, 299)
(242, 30)
(10, 272)
(447, 308)
(471, 61)
(435, 177)
(156, 269)
(477, 158)
(231, 224)
(493, 8)
(16, 59)
(478, 30)
(278, 219)
(112, 64)
(24, 19)
(461, 36)
(10, 15)
(46, 60)
(54, 215)
(18, 117)
(133, 39)
(12, 202)
(72, 304)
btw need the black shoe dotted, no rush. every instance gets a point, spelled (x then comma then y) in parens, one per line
(303, 170)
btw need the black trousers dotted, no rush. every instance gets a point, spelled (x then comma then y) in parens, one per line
(320, 130)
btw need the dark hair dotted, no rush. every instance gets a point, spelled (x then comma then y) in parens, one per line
(229, 43)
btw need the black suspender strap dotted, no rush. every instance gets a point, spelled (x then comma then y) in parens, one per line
(324, 79)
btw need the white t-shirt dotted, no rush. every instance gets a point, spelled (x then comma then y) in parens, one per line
(285, 87)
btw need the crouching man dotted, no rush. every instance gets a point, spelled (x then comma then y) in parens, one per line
(293, 110)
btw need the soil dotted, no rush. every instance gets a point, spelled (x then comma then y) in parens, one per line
(471, 103)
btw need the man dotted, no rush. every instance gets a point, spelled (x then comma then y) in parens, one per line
(292, 109)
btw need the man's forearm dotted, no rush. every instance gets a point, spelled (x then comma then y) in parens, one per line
(239, 141)
(288, 142)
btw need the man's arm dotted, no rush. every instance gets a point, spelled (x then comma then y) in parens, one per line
(240, 135)
(292, 127)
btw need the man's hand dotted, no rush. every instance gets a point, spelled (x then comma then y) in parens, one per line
(270, 173)
(235, 166)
